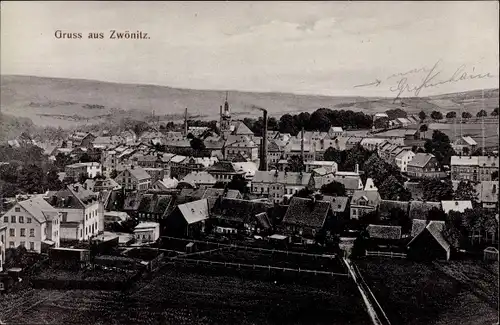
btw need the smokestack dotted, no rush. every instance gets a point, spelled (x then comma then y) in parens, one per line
(186, 122)
(263, 151)
(302, 144)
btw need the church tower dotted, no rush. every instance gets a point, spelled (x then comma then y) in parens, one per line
(225, 120)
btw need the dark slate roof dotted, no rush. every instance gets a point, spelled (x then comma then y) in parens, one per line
(386, 206)
(384, 232)
(237, 209)
(418, 226)
(306, 212)
(420, 209)
(337, 203)
(420, 159)
(222, 166)
(216, 192)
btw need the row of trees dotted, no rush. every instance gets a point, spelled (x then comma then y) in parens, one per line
(436, 115)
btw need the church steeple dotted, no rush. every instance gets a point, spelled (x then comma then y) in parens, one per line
(226, 107)
(225, 121)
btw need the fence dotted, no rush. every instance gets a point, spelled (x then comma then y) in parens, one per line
(188, 261)
(385, 254)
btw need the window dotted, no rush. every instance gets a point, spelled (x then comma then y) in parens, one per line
(28, 220)
(12, 232)
(32, 232)
(18, 209)
(21, 219)
(23, 244)
(32, 246)
(5, 219)
(23, 232)
(2, 286)
(13, 219)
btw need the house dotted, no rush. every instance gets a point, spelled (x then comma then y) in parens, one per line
(335, 131)
(147, 232)
(155, 173)
(89, 169)
(464, 168)
(224, 171)
(244, 146)
(148, 206)
(488, 194)
(306, 220)
(420, 209)
(490, 254)
(165, 184)
(249, 168)
(329, 166)
(403, 158)
(107, 184)
(424, 165)
(275, 184)
(372, 144)
(487, 166)
(193, 164)
(384, 233)
(430, 243)
(111, 217)
(274, 152)
(370, 185)
(294, 148)
(106, 142)
(33, 224)
(177, 168)
(418, 225)
(81, 212)
(188, 219)
(457, 206)
(464, 145)
(363, 202)
(340, 208)
(134, 178)
(237, 216)
(199, 179)
(81, 139)
(3, 237)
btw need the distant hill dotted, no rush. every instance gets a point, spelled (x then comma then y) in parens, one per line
(72, 102)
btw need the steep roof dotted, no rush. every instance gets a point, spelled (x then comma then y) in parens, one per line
(420, 159)
(384, 232)
(436, 228)
(386, 207)
(373, 197)
(39, 209)
(420, 209)
(238, 209)
(194, 211)
(307, 212)
(418, 226)
(469, 140)
(241, 129)
(222, 166)
(216, 192)
(337, 203)
(139, 173)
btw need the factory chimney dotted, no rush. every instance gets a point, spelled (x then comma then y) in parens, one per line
(302, 144)
(263, 152)
(186, 122)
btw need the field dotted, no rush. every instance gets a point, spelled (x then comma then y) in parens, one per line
(441, 293)
(471, 129)
(74, 102)
(178, 297)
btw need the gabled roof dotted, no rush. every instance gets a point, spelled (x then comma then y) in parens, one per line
(199, 178)
(418, 226)
(459, 206)
(337, 203)
(420, 159)
(241, 129)
(194, 211)
(222, 166)
(307, 212)
(216, 192)
(373, 197)
(237, 209)
(436, 228)
(420, 209)
(469, 141)
(166, 183)
(39, 209)
(384, 232)
(139, 173)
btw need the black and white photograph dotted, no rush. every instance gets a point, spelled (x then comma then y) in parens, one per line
(249, 162)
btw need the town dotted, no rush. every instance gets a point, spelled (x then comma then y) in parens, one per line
(299, 198)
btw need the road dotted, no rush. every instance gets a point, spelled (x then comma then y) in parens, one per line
(375, 311)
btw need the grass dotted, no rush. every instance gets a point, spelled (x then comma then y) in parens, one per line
(455, 292)
(178, 297)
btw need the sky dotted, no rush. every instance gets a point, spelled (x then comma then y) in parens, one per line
(324, 48)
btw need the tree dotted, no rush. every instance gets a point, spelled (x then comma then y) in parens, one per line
(495, 112)
(334, 189)
(197, 144)
(287, 125)
(466, 115)
(113, 174)
(435, 190)
(303, 193)
(396, 113)
(190, 136)
(399, 217)
(481, 113)
(82, 178)
(435, 115)
(52, 181)
(85, 158)
(382, 123)
(465, 192)
(238, 183)
(422, 116)
(392, 189)
(423, 129)
(451, 114)
(219, 184)
(436, 214)
(295, 163)
(440, 147)
(332, 154)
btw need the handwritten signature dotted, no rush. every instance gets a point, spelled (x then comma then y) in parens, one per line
(430, 80)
